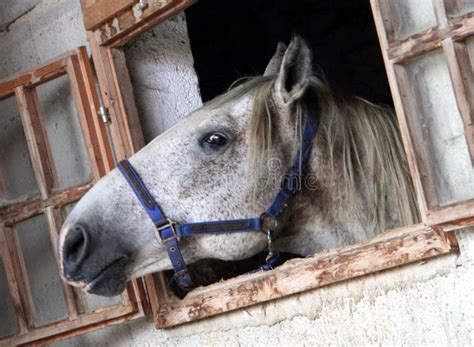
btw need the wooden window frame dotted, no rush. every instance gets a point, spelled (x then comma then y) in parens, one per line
(51, 201)
(107, 34)
(448, 35)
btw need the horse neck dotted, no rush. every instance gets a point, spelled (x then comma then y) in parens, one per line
(317, 218)
(342, 208)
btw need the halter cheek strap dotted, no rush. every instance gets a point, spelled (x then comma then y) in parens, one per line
(170, 232)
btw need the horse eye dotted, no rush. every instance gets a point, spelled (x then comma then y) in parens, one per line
(215, 140)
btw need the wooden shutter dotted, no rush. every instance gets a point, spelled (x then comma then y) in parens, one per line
(429, 53)
(36, 155)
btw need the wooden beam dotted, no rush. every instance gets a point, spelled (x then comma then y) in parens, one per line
(77, 66)
(452, 226)
(431, 39)
(158, 292)
(80, 300)
(402, 116)
(440, 11)
(67, 328)
(299, 275)
(460, 214)
(31, 208)
(55, 221)
(128, 118)
(21, 275)
(120, 29)
(38, 146)
(462, 77)
(138, 296)
(86, 110)
(45, 72)
(67, 334)
(123, 110)
(108, 90)
(387, 11)
(94, 102)
(13, 284)
(95, 12)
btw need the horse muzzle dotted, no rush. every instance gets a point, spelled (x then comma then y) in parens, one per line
(106, 275)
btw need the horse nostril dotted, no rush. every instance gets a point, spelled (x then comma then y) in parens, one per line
(75, 249)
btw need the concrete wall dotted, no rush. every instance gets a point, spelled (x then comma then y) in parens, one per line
(165, 84)
(47, 29)
(426, 303)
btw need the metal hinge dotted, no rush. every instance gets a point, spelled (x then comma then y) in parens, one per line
(103, 113)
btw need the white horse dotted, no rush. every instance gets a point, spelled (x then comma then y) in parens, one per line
(224, 161)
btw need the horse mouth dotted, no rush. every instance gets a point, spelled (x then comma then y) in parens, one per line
(110, 281)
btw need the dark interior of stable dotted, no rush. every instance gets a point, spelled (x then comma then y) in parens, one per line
(231, 39)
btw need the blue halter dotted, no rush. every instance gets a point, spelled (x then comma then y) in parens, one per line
(170, 232)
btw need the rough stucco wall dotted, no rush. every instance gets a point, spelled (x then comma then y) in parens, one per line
(51, 28)
(13, 9)
(165, 84)
(424, 303)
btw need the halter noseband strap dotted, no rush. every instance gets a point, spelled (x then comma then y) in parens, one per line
(170, 232)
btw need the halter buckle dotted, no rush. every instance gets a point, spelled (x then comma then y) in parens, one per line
(168, 225)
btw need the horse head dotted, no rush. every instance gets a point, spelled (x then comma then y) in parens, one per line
(209, 166)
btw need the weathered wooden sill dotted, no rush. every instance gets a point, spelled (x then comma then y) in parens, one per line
(391, 249)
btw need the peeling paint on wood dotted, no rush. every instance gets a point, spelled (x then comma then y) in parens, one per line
(126, 24)
(400, 51)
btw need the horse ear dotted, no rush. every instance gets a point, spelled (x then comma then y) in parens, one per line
(274, 64)
(295, 71)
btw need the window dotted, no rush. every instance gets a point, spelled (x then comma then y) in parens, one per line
(410, 34)
(429, 62)
(53, 149)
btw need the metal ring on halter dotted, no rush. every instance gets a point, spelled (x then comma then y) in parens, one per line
(268, 223)
(270, 246)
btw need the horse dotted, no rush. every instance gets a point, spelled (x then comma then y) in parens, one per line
(225, 161)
